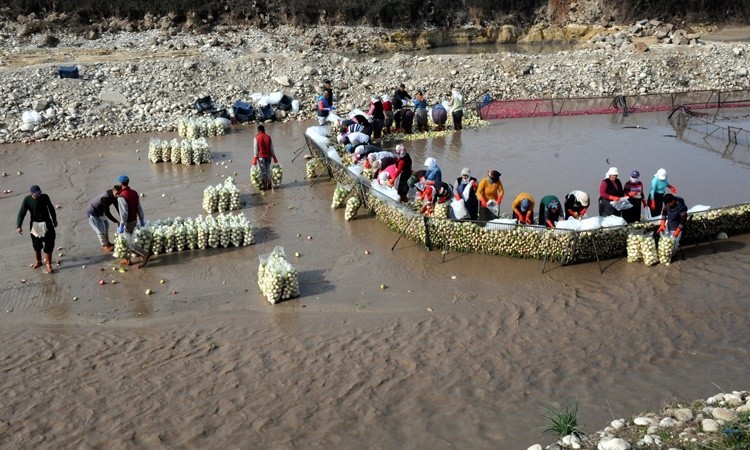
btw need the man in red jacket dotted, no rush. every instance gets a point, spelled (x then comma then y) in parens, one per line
(263, 152)
(131, 213)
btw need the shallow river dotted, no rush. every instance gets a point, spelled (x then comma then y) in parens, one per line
(432, 361)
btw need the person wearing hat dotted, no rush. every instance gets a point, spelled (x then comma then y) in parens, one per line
(659, 185)
(490, 188)
(466, 189)
(403, 171)
(633, 189)
(610, 190)
(550, 211)
(354, 139)
(457, 109)
(378, 116)
(434, 175)
(42, 224)
(674, 215)
(523, 208)
(263, 153)
(131, 213)
(576, 204)
(99, 211)
(420, 112)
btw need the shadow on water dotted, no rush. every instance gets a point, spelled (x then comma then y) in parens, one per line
(265, 234)
(313, 282)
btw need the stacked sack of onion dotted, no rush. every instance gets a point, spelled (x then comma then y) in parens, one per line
(277, 278)
(339, 194)
(666, 248)
(352, 206)
(634, 247)
(121, 247)
(310, 168)
(276, 175)
(440, 211)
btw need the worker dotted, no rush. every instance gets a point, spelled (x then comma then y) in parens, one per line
(439, 116)
(523, 208)
(549, 211)
(576, 204)
(659, 185)
(490, 188)
(633, 189)
(610, 190)
(403, 171)
(434, 175)
(466, 189)
(674, 215)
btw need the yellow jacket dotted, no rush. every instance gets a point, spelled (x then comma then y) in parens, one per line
(487, 191)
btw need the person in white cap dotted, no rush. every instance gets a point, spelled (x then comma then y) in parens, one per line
(610, 190)
(466, 189)
(576, 204)
(659, 186)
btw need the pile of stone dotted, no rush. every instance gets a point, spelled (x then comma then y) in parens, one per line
(704, 422)
(664, 33)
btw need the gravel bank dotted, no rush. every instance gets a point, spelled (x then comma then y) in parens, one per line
(143, 82)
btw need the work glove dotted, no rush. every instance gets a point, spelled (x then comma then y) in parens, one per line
(143, 223)
(652, 204)
(484, 203)
(121, 228)
(528, 218)
(673, 189)
(255, 161)
(662, 227)
(458, 197)
(677, 232)
(275, 160)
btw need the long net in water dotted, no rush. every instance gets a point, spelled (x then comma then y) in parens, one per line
(621, 104)
(707, 131)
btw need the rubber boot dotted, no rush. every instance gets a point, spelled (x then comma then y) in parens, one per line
(48, 262)
(38, 260)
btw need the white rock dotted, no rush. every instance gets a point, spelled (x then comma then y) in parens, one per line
(283, 80)
(617, 424)
(535, 447)
(613, 444)
(715, 399)
(643, 421)
(683, 414)
(732, 399)
(709, 425)
(724, 414)
(667, 422)
(26, 127)
(113, 97)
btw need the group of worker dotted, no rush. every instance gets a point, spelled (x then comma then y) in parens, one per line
(388, 114)
(43, 220)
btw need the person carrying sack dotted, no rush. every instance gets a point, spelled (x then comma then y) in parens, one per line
(263, 153)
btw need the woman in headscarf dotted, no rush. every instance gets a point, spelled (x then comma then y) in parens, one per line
(420, 111)
(634, 192)
(659, 185)
(378, 116)
(490, 188)
(434, 175)
(576, 204)
(466, 189)
(610, 190)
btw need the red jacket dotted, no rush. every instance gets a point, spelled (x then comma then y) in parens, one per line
(263, 145)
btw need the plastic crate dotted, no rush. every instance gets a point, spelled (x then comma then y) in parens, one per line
(67, 71)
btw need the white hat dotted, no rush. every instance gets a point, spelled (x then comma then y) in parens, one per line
(661, 174)
(465, 171)
(386, 98)
(611, 171)
(430, 162)
(400, 150)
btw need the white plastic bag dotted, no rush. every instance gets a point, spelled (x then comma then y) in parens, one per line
(264, 101)
(32, 117)
(698, 208)
(568, 224)
(459, 209)
(275, 97)
(256, 97)
(613, 221)
(621, 203)
(355, 169)
(295, 106)
(501, 224)
(646, 213)
(592, 223)
(493, 207)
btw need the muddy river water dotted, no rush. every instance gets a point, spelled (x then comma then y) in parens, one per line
(463, 353)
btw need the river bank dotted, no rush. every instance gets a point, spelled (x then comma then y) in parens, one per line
(145, 81)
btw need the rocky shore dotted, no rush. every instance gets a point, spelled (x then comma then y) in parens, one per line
(716, 423)
(144, 81)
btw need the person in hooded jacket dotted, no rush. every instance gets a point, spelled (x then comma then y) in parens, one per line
(466, 189)
(490, 188)
(403, 171)
(674, 215)
(550, 211)
(610, 190)
(434, 175)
